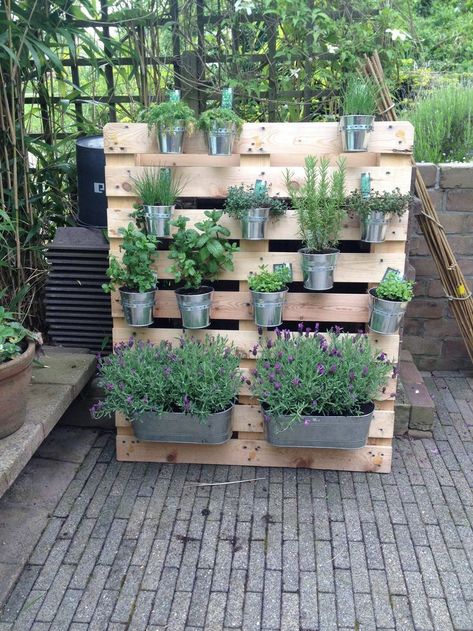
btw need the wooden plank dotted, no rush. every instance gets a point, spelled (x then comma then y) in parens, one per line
(214, 181)
(285, 229)
(300, 307)
(351, 267)
(375, 458)
(274, 138)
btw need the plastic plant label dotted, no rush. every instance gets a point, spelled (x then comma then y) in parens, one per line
(174, 96)
(227, 98)
(278, 266)
(260, 186)
(365, 184)
(392, 269)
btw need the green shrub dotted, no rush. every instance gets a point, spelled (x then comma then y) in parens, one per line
(266, 281)
(219, 116)
(166, 114)
(388, 203)
(240, 200)
(395, 288)
(13, 336)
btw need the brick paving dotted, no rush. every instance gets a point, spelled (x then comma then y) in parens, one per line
(140, 547)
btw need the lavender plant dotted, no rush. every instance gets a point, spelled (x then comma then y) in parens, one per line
(197, 377)
(309, 374)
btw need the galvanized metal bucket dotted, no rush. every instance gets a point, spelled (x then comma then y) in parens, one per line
(253, 223)
(317, 269)
(171, 138)
(220, 139)
(355, 132)
(385, 315)
(138, 307)
(177, 427)
(195, 308)
(158, 220)
(374, 227)
(268, 307)
(321, 432)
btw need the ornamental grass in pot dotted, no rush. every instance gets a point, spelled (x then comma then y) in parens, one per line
(171, 120)
(158, 190)
(17, 351)
(133, 276)
(359, 105)
(375, 211)
(253, 207)
(388, 303)
(199, 254)
(317, 390)
(221, 126)
(268, 294)
(182, 394)
(319, 203)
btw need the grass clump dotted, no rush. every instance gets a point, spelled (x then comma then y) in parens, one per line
(359, 97)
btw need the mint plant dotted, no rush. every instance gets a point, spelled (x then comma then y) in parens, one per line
(13, 336)
(133, 272)
(166, 114)
(395, 288)
(359, 97)
(241, 199)
(199, 254)
(387, 203)
(219, 116)
(319, 203)
(266, 281)
(197, 377)
(307, 374)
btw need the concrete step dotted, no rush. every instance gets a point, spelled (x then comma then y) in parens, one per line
(414, 410)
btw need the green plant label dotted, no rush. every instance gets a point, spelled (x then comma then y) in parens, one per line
(392, 269)
(227, 98)
(174, 96)
(278, 266)
(260, 186)
(365, 185)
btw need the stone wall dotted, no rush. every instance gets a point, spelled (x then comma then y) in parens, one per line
(430, 330)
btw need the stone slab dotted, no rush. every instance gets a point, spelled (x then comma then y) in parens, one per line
(71, 369)
(67, 444)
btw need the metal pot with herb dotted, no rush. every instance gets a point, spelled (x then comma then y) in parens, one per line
(171, 119)
(268, 294)
(388, 303)
(376, 210)
(253, 207)
(359, 105)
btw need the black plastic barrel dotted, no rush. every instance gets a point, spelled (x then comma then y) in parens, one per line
(91, 182)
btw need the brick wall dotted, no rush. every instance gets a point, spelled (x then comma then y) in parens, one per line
(430, 330)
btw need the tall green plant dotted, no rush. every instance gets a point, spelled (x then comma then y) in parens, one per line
(158, 187)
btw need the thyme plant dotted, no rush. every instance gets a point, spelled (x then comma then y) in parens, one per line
(167, 114)
(241, 199)
(387, 203)
(267, 282)
(307, 374)
(319, 203)
(394, 287)
(196, 377)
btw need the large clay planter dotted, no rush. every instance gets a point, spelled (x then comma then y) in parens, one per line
(15, 377)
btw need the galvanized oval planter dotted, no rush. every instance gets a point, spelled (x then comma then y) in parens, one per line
(374, 227)
(268, 307)
(317, 269)
(385, 315)
(195, 308)
(355, 132)
(220, 139)
(177, 427)
(171, 137)
(253, 224)
(320, 432)
(138, 307)
(158, 220)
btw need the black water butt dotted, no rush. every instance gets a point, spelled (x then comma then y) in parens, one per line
(91, 182)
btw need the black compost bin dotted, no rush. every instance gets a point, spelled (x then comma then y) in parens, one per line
(91, 182)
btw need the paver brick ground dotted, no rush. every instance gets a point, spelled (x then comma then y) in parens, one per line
(140, 547)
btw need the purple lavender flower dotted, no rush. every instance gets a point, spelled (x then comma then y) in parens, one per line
(296, 381)
(269, 344)
(226, 351)
(271, 377)
(186, 403)
(129, 399)
(395, 372)
(109, 386)
(254, 372)
(277, 367)
(260, 331)
(277, 330)
(267, 365)
(98, 356)
(338, 329)
(280, 354)
(167, 371)
(364, 372)
(351, 375)
(382, 357)
(131, 341)
(287, 334)
(333, 369)
(182, 342)
(308, 331)
(300, 327)
(254, 350)
(290, 359)
(242, 378)
(320, 369)
(173, 357)
(323, 344)
(277, 385)
(316, 327)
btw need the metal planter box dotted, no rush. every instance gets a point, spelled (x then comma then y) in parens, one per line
(322, 432)
(177, 427)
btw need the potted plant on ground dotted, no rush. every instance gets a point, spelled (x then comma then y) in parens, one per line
(318, 391)
(17, 351)
(253, 207)
(133, 276)
(359, 104)
(319, 203)
(170, 119)
(221, 126)
(388, 303)
(268, 294)
(375, 210)
(199, 254)
(158, 190)
(178, 395)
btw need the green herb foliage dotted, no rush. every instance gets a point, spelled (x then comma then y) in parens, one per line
(266, 281)
(359, 97)
(219, 116)
(166, 114)
(134, 271)
(319, 203)
(13, 336)
(158, 187)
(388, 203)
(395, 288)
(306, 373)
(199, 254)
(443, 120)
(196, 377)
(241, 199)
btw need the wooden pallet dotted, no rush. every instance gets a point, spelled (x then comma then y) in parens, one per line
(265, 151)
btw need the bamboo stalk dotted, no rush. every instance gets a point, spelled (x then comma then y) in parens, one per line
(451, 276)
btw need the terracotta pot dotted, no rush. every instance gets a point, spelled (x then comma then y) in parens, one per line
(15, 377)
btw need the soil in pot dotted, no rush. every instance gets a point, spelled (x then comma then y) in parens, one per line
(15, 377)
